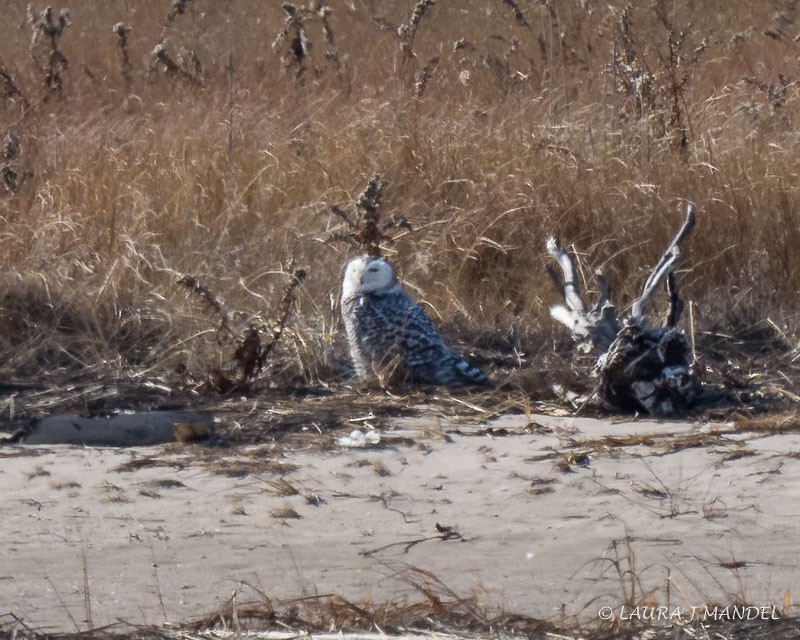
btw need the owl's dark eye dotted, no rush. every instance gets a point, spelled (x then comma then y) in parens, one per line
(373, 269)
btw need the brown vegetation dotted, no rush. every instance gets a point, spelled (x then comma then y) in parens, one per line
(220, 141)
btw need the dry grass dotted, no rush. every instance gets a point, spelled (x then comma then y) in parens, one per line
(244, 468)
(490, 130)
(430, 605)
(282, 487)
(61, 486)
(285, 512)
(37, 472)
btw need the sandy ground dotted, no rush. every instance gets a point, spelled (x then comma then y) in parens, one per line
(543, 518)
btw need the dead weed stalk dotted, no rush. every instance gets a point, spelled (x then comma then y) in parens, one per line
(659, 93)
(519, 16)
(178, 8)
(10, 89)
(11, 173)
(122, 30)
(250, 350)
(187, 67)
(295, 35)
(365, 229)
(47, 32)
(676, 69)
(407, 32)
(293, 42)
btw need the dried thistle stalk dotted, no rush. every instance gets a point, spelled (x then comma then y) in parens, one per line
(368, 206)
(163, 62)
(284, 309)
(323, 14)
(518, 15)
(210, 300)
(10, 88)
(366, 232)
(634, 77)
(11, 175)
(188, 66)
(11, 145)
(178, 8)
(251, 353)
(676, 70)
(299, 42)
(408, 31)
(47, 31)
(121, 30)
(424, 76)
(190, 63)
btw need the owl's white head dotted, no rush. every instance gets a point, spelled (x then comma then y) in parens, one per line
(368, 274)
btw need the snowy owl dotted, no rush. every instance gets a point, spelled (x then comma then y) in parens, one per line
(385, 328)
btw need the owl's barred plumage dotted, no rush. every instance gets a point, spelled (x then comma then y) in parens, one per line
(385, 327)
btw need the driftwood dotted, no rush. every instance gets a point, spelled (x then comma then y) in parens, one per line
(637, 367)
(125, 429)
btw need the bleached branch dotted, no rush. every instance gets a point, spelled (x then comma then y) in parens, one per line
(666, 265)
(593, 329)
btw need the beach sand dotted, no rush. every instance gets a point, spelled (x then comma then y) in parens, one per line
(551, 517)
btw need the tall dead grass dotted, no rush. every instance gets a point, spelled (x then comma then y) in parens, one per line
(527, 124)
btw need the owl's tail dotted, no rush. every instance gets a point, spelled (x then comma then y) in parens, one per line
(463, 372)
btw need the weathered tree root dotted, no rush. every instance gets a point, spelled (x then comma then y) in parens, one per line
(647, 369)
(637, 368)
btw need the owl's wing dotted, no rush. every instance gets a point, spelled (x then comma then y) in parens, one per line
(427, 356)
(396, 322)
(419, 337)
